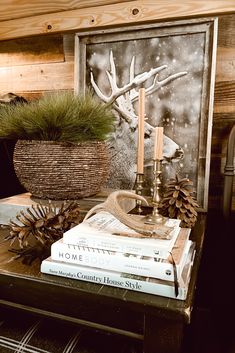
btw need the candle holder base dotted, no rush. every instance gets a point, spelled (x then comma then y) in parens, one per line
(155, 218)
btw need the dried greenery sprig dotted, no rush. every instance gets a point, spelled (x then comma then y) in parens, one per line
(59, 116)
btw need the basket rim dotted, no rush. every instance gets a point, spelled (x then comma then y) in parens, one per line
(55, 142)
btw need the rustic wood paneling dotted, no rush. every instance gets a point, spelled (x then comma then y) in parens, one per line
(225, 64)
(225, 54)
(224, 97)
(34, 65)
(68, 40)
(11, 9)
(226, 37)
(26, 51)
(224, 108)
(36, 77)
(119, 14)
(225, 68)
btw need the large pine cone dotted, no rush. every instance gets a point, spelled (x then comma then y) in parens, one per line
(38, 227)
(178, 201)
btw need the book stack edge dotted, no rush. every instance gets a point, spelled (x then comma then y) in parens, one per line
(97, 251)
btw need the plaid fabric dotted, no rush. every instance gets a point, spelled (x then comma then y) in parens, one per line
(24, 333)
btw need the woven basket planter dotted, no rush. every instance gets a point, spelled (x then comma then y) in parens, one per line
(59, 170)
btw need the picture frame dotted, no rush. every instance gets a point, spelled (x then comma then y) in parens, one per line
(180, 100)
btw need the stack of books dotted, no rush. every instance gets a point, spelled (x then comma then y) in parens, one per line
(103, 250)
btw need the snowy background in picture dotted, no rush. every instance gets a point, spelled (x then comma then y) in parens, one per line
(176, 106)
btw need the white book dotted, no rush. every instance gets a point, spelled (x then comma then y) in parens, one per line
(124, 262)
(104, 231)
(123, 280)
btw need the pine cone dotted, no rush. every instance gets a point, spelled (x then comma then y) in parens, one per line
(178, 201)
(39, 226)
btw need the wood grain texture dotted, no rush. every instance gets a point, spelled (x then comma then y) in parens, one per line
(112, 15)
(68, 43)
(222, 124)
(12, 9)
(225, 70)
(226, 37)
(225, 54)
(26, 51)
(32, 66)
(224, 108)
(42, 77)
(224, 100)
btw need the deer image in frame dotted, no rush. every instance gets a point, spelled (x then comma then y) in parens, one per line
(122, 144)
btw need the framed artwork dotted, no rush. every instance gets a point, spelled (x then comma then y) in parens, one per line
(175, 63)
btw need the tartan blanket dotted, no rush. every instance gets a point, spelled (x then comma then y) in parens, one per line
(25, 333)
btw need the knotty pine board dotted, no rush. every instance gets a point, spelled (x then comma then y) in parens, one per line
(12, 9)
(116, 14)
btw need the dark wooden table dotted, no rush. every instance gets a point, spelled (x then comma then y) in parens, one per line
(156, 321)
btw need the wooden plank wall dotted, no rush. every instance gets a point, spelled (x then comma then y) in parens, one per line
(13, 9)
(224, 108)
(30, 66)
(33, 65)
(69, 16)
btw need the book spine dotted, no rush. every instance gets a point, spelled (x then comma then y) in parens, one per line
(119, 243)
(134, 264)
(111, 278)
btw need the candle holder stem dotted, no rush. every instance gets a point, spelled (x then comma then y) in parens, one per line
(139, 190)
(155, 217)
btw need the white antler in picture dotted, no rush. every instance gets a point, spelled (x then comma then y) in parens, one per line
(123, 142)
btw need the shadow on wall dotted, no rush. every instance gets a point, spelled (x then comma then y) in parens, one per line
(9, 184)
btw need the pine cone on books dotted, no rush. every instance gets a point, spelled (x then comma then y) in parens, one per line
(39, 226)
(178, 201)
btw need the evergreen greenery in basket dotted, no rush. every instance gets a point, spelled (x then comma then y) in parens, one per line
(59, 116)
(60, 151)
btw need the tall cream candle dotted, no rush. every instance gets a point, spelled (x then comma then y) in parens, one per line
(140, 146)
(158, 145)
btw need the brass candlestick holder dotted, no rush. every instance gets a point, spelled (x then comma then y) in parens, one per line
(155, 217)
(139, 190)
